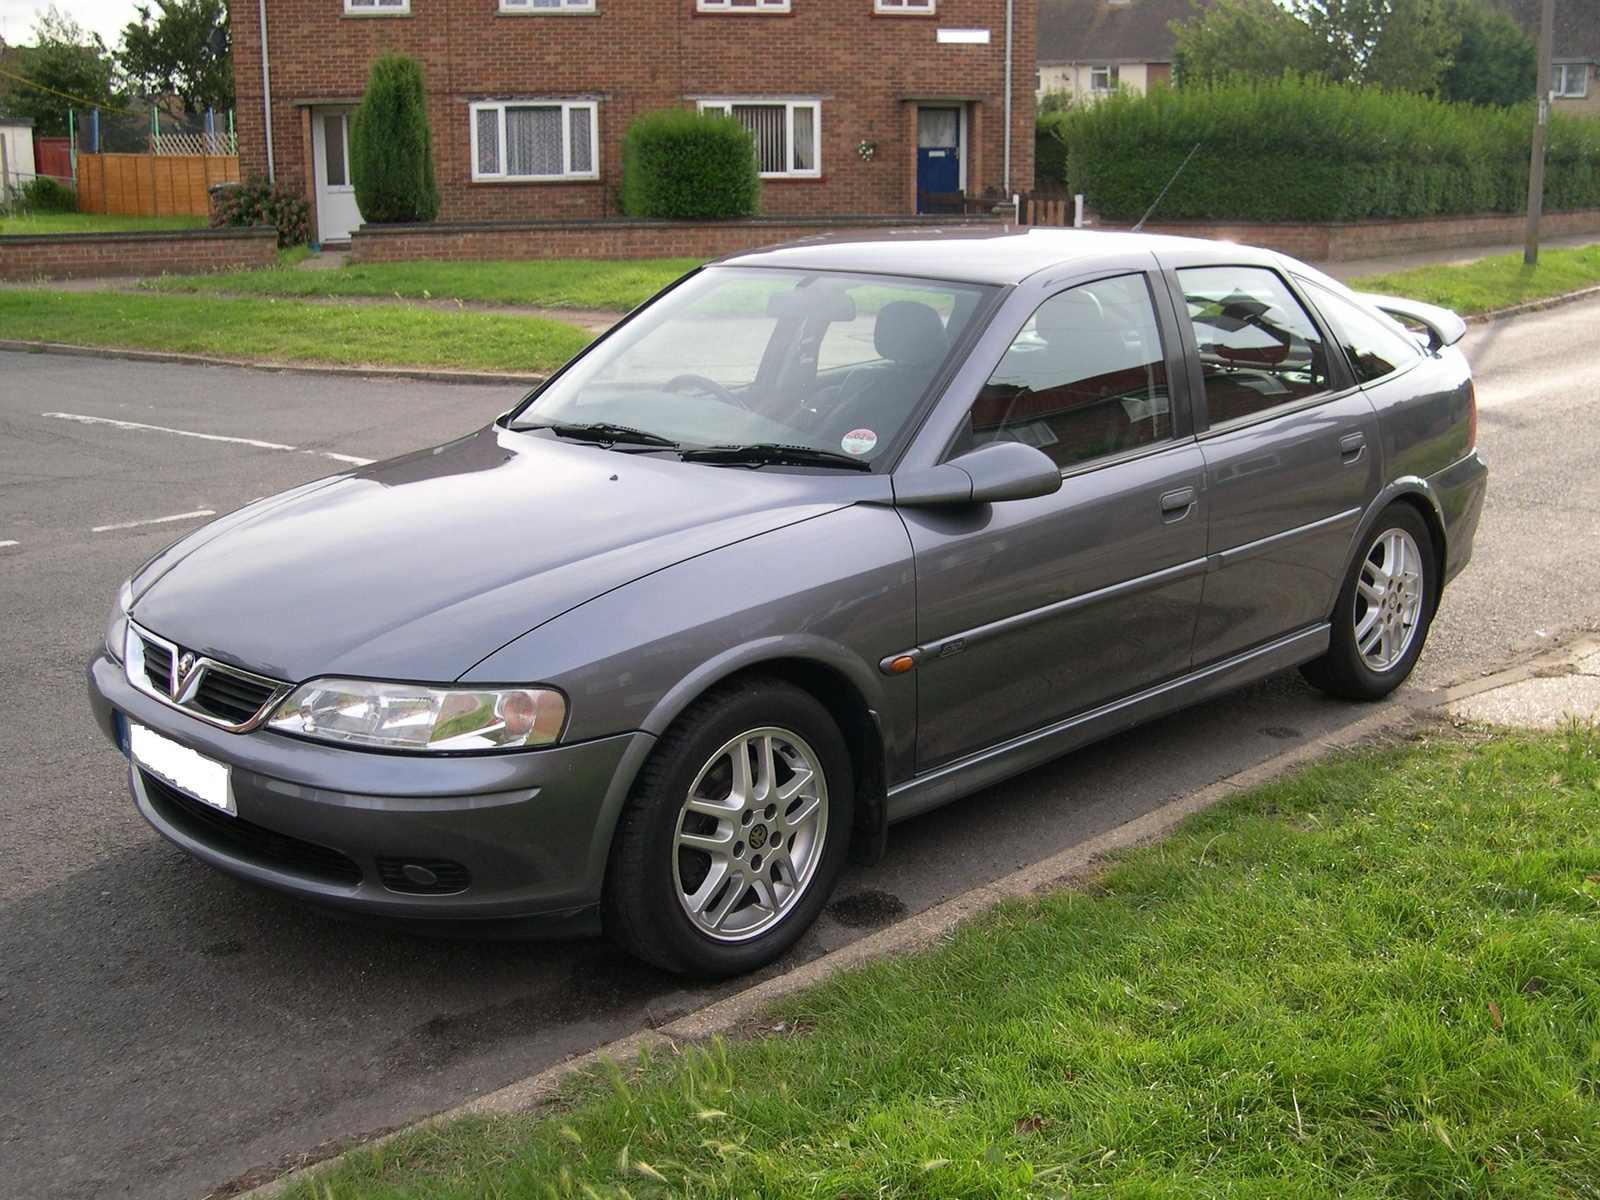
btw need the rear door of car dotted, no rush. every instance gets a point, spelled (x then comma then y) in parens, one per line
(1292, 455)
(1031, 611)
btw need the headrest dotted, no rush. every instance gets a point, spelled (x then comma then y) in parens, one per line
(908, 332)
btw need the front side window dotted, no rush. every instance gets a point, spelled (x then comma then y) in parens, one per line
(1570, 80)
(832, 363)
(516, 139)
(377, 8)
(1085, 377)
(903, 6)
(787, 134)
(1375, 344)
(1102, 79)
(1259, 349)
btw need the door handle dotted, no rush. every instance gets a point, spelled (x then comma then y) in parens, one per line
(1352, 448)
(1175, 506)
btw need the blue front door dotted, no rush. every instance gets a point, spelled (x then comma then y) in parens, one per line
(938, 157)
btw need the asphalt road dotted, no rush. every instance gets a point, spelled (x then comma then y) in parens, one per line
(164, 1030)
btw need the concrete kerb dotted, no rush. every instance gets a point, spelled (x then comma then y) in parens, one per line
(1071, 866)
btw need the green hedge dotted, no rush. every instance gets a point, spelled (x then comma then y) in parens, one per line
(690, 166)
(1302, 150)
(391, 151)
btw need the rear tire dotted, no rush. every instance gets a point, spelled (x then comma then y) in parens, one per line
(1381, 618)
(735, 833)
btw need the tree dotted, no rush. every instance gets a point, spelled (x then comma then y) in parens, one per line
(1496, 61)
(185, 52)
(66, 67)
(1403, 44)
(1256, 38)
(391, 151)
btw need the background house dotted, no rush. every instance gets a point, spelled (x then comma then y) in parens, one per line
(1087, 48)
(1574, 52)
(856, 106)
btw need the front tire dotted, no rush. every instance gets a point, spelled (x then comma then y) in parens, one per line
(735, 833)
(1381, 618)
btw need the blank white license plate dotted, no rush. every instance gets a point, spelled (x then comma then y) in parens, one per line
(192, 774)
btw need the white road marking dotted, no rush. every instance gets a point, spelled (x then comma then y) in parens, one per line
(188, 516)
(5, 544)
(205, 437)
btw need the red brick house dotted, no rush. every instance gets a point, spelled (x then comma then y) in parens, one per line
(857, 106)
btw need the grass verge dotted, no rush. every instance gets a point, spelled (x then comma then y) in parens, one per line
(51, 223)
(270, 331)
(601, 285)
(1380, 977)
(1492, 283)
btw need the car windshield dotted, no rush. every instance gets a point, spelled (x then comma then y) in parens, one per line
(830, 364)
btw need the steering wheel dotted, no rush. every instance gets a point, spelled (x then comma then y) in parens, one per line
(710, 386)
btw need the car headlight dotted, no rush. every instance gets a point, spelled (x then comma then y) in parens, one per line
(117, 627)
(412, 716)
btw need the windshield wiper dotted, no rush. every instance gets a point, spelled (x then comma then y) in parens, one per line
(605, 433)
(759, 454)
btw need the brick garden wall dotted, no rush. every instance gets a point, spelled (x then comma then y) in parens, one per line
(1349, 240)
(178, 252)
(519, 241)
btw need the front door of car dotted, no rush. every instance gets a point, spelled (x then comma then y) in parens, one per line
(1031, 611)
(1292, 459)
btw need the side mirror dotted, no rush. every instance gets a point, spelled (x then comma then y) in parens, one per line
(993, 472)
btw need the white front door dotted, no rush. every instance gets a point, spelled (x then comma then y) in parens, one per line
(337, 213)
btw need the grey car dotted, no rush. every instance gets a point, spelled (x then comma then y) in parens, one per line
(823, 536)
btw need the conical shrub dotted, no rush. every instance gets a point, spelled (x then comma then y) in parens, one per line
(391, 153)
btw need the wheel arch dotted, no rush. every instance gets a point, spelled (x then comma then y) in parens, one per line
(1415, 493)
(843, 686)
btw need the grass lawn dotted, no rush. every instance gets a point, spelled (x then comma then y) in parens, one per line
(607, 286)
(1380, 977)
(44, 223)
(1492, 283)
(272, 331)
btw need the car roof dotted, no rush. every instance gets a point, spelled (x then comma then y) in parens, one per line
(1003, 254)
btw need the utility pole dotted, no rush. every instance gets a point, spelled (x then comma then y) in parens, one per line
(1547, 23)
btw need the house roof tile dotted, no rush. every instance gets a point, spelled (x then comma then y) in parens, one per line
(1105, 32)
(1577, 27)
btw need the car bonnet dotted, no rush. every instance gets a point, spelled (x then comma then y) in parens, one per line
(419, 567)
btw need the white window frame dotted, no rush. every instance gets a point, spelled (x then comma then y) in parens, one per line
(1567, 75)
(726, 107)
(543, 8)
(741, 6)
(567, 108)
(377, 8)
(904, 8)
(1111, 71)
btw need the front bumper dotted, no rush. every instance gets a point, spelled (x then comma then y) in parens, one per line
(515, 839)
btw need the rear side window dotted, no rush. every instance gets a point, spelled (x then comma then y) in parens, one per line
(1084, 377)
(1374, 345)
(1259, 348)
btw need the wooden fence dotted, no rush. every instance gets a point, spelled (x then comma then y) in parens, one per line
(147, 185)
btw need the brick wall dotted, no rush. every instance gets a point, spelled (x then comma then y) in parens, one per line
(616, 239)
(179, 252)
(1350, 240)
(869, 71)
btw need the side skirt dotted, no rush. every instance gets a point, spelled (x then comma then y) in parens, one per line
(976, 771)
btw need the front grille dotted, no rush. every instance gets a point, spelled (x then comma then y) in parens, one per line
(447, 877)
(241, 839)
(200, 686)
(230, 697)
(158, 665)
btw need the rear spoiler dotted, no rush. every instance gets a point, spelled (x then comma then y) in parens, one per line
(1444, 327)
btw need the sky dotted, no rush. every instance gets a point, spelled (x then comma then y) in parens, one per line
(105, 17)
